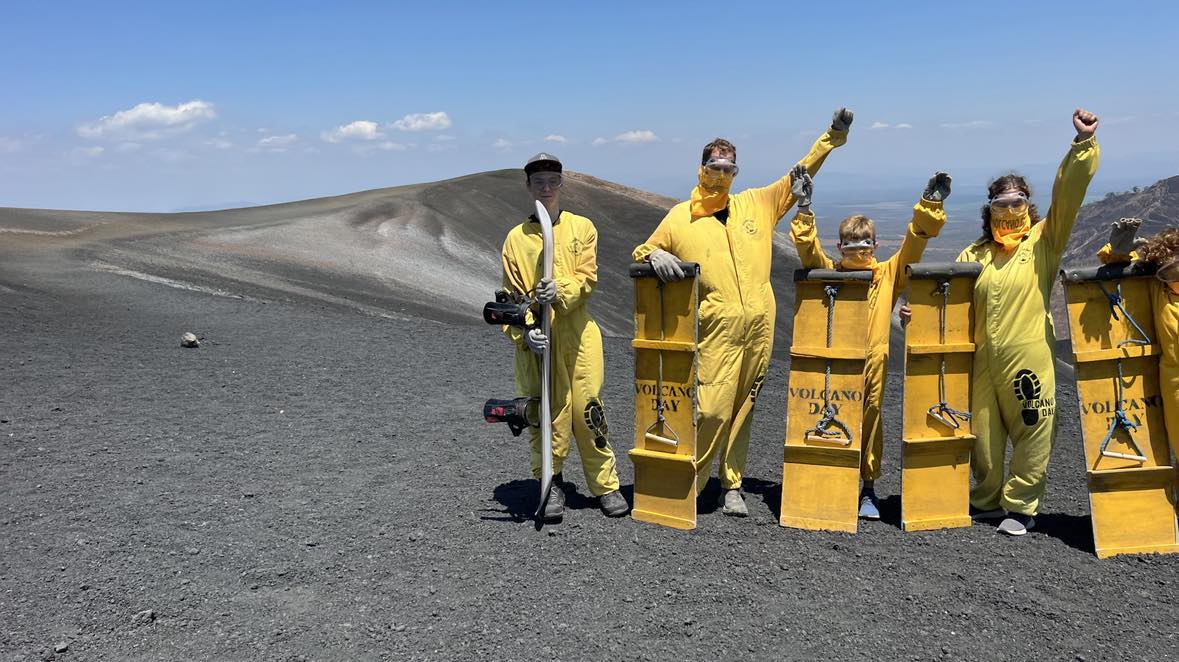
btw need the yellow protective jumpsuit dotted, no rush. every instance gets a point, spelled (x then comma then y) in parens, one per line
(576, 344)
(737, 308)
(888, 281)
(1013, 389)
(1165, 303)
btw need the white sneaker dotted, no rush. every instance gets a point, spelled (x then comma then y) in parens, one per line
(1016, 524)
(733, 504)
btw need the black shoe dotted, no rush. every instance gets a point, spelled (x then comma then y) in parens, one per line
(613, 504)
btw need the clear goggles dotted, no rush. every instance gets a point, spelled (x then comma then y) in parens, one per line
(1008, 201)
(721, 166)
(549, 180)
(856, 246)
(1168, 273)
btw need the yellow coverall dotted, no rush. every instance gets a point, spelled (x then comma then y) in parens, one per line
(888, 281)
(1013, 389)
(737, 308)
(1165, 303)
(576, 344)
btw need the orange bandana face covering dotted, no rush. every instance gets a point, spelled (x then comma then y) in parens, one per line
(712, 194)
(1010, 226)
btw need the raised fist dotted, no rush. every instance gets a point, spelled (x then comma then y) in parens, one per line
(842, 119)
(938, 187)
(1085, 123)
(802, 186)
(1121, 235)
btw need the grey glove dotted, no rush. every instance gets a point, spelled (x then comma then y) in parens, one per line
(842, 119)
(938, 188)
(546, 291)
(1121, 235)
(802, 186)
(537, 340)
(666, 266)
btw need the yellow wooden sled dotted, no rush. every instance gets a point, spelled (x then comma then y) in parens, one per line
(1131, 480)
(939, 354)
(825, 407)
(665, 345)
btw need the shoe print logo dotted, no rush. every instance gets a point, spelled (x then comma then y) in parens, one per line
(750, 226)
(1027, 391)
(595, 420)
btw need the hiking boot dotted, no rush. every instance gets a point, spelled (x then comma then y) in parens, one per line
(733, 504)
(554, 507)
(869, 505)
(613, 504)
(990, 513)
(1016, 524)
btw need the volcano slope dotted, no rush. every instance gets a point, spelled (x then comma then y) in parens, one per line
(316, 483)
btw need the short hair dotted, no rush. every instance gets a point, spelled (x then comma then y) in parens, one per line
(857, 228)
(718, 144)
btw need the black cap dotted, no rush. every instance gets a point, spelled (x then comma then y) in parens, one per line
(542, 162)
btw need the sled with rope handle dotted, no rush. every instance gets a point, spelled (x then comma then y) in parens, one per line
(825, 403)
(665, 350)
(1131, 480)
(936, 434)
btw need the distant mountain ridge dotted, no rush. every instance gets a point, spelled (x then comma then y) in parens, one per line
(1157, 205)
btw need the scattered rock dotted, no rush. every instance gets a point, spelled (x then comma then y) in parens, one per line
(189, 340)
(61, 647)
(144, 617)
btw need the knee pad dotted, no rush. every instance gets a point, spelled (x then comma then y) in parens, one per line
(595, 420)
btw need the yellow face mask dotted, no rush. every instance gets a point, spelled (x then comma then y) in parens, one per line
(1009, 226)
(712, 194)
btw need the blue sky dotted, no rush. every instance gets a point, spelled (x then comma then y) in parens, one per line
(165, 106)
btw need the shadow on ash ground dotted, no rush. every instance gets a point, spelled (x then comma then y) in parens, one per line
(317, 484)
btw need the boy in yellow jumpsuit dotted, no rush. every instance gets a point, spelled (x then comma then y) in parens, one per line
(1161, 250)
(1013, 388)
(857, 245)
(731, 237)
(576, 343)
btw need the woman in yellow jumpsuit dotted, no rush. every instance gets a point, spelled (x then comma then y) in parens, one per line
(1161, 250)
(1013, 390)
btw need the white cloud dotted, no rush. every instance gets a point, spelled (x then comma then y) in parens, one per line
(10, 145)
(128, 147)
(502, 143)
(358, 130)
(278, 143)
(390, 146)
(435, 147)
(555, 138)
(973, 124)
(444, 138)
(89, 151)
(904, 125)
(423, 122)
(636, 137)
(885, 125)
(149, 121)
(878, 125)
(219, 143)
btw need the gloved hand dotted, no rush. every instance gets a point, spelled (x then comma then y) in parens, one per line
(1121, 235)
(802, 186)
(842, 119)
(537, 340)
(938, 188)
(905, 312)
(546, 291)
(666, 266)
(1085, 123)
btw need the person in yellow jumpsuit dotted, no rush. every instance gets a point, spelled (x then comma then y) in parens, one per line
(1161, 250)
(577, 369)
(1013, 388)
(731, 238)
(857, 246)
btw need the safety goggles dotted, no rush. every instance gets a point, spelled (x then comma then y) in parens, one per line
(721, 166)
(1168, 273)
(853, 246)
(1009, 201)
(550, 181)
